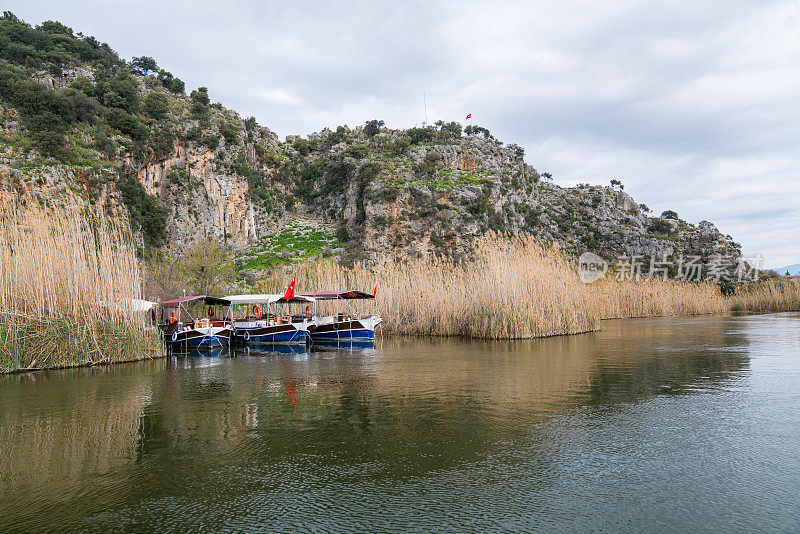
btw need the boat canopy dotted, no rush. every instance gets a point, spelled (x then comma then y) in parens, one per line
(265, 298)
(331, 295)
(142, 305)
(174, 303)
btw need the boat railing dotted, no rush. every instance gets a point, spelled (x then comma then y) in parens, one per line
(271, 319)
(343, 317)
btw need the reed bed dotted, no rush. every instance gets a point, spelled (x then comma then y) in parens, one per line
(512, 288)
(772, 295)
(655, 298)
(68, 280)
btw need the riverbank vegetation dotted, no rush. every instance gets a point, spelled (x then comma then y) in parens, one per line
(773, 295)
(655, 298)
(68, 280)
(512, 288)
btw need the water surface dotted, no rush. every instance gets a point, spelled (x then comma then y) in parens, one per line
(662, 425)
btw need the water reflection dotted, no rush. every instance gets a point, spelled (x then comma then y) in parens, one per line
(267, 350)
(205, 352)
(96, 448)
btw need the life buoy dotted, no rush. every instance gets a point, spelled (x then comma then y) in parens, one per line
(173, 317)
(257, 311)
(308, 312)
(246, 336)
(211, 312)
(174, 336)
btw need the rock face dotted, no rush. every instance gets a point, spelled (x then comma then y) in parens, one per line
(209, 204)
(440, 194)
(406, 193)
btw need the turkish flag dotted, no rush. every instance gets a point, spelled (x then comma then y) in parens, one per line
(469, 116)
(376, 290)
(290, 290)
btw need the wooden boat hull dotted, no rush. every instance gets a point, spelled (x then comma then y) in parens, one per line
(200, 338)
(292, 333)
(356, 330)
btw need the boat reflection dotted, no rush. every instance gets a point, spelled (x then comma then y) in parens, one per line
(208, 352)
(343, 344)
(267, 350)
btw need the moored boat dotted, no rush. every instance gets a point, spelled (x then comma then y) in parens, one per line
(345, 323)
(186, 331)
(268, 319)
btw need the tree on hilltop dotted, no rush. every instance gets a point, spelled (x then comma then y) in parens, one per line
(144, 64)
(372, 127)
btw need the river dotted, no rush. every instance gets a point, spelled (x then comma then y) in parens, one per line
(660, 425)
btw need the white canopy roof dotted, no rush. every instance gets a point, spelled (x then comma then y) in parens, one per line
(141, 305)
(264, 298)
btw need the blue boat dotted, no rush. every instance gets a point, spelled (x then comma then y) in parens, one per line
(267, 318)
(183, 331)
(261, 332)
(342, 325)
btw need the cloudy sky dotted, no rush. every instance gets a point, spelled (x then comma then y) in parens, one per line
(694, 106)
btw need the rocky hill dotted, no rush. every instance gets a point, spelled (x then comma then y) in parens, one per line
(75, 117)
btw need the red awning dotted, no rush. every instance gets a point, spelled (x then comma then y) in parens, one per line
(328, 295)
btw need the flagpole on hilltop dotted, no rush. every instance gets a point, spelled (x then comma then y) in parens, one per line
(425, 103)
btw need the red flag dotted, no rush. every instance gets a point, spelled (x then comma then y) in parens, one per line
(290, 290)
(469, 116)
(374, 293)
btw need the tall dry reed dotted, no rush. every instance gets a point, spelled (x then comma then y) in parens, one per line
(68, 277)
(773, 295)
(612, 299)
(513, 287)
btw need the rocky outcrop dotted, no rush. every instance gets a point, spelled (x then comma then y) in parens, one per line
(439, 195)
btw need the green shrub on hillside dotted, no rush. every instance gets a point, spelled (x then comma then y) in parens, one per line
(146, 214)
(356, 150)
(119, 89)
(448, 130)
(200, 102)
(84, 85)
(156, 105)
(421, 135)
(230, 132)
(519, 152)
(47, 114)
(478, 130)
(50, 44)
(303, 146)
(660, 226)
(371, 128)
(126, 123)
(162, 141)
(170, 82)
